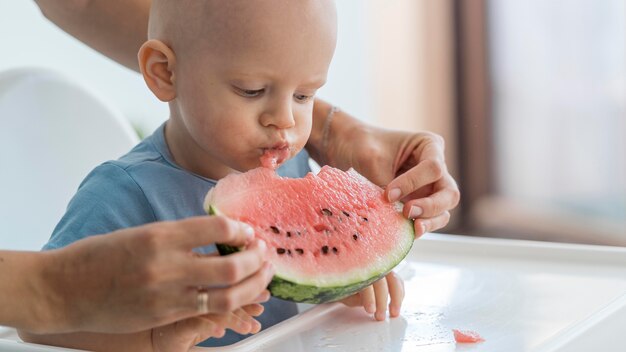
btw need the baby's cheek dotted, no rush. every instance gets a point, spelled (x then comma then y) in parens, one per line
(303, 134)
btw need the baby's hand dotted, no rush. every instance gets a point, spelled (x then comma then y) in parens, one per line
(374, 298)
(183, 335)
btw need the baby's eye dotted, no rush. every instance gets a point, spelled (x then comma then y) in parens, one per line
(250, 93)
(301, 98)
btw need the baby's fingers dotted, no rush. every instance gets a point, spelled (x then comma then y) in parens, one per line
(243, 314)
(381, 292)
(353, 301)
(396, 293)
(230, 321)
(253, 309)
(368, 299)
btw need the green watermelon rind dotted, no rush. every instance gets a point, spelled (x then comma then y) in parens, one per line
(296, 292)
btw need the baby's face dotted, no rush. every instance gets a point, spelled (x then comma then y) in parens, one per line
(247, 87)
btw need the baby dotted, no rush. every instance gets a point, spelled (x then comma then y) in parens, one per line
(240, 77)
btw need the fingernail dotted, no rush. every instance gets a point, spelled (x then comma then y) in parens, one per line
(423, 228)
(256, 327)
(415, 212)
(394, 194)
(262, 245)
(248, 230)
(370, 308)
(219, 332)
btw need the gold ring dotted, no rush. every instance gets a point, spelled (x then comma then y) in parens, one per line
(202, 302)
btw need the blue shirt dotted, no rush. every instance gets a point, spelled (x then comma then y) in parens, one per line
(144, 186)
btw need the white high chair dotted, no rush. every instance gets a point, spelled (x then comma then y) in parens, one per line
(53, 132)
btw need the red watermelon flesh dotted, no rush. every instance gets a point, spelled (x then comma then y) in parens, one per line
(328, 235)
(466, 336)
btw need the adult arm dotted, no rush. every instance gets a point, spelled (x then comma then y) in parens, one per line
(144, 277)
(116, 29)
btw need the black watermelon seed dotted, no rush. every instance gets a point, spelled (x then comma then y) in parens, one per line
(325, 249)
(355, 236)
(335, 250)
(327, 212)
(289, 251)
(299, 233)
(280, 250)
(275, 229)
(300, 251)
(288, 234)
(345, 213)
(364, 219)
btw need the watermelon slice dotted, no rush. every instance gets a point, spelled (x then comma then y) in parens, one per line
(466, 336)
(328, 235)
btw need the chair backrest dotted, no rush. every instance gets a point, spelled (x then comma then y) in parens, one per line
(53, 131)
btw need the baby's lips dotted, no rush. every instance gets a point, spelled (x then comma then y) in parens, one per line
(273, 157)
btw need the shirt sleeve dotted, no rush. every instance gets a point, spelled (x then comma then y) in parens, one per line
(107, 200)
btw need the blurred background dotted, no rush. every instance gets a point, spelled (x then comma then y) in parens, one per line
(529, 95)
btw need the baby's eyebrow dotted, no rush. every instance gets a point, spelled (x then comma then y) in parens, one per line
(314, 83)
(242, 77)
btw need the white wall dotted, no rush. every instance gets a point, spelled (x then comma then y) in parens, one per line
(28, 39)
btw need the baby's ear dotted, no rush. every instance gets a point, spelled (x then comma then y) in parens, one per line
(157, 62)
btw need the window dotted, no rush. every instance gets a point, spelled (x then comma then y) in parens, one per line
(542, 92)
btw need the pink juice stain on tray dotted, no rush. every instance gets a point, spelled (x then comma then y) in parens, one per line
(466, 336)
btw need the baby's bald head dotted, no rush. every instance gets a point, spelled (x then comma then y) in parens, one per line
(240, 76)
(222, 26)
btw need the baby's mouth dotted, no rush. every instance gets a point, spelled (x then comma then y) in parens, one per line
(275, 156)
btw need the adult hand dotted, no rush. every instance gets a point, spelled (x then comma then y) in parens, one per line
(411, 167)
(138, 278)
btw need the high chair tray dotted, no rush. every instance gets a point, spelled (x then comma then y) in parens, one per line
(518, 295)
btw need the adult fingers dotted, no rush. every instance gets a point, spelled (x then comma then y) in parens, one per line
(427, 225)
(396, 293)
(245, 292)
(433, 205)
(381, 292)
(205, 230)
(425, 172)
(226, 270)
(228, 298)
